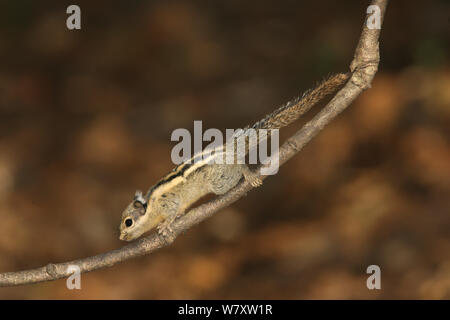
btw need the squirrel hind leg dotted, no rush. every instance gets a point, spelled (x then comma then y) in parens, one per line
(224, 177)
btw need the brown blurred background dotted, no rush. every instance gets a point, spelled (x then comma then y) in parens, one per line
(86, 118)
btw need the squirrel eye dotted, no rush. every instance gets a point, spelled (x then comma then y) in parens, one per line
(128, 222)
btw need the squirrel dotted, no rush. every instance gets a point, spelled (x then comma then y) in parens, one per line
(171, 196)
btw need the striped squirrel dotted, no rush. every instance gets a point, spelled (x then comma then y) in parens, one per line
(188, 182)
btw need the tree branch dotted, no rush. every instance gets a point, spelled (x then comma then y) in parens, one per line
(363, 68)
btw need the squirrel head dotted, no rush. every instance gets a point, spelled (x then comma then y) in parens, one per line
(132, 224)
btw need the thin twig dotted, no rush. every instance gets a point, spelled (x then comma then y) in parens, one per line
(363, 68)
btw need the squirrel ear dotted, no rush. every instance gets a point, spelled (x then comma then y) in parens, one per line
(140, 202)
(138, 194)
(140, 198)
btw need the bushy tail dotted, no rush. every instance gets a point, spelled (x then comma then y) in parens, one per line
(292, 110)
